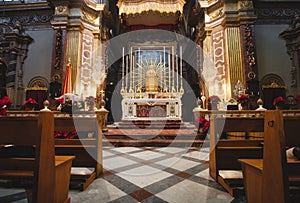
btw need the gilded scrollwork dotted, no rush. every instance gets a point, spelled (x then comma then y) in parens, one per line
(217, 14)
(88, 17)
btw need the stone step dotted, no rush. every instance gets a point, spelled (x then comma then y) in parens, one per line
(153, 143)
(152, 137)
(145, 124)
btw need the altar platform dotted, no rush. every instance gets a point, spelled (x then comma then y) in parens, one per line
(185, 137)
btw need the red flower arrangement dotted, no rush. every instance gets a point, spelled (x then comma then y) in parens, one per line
(214, 99)
(30, 104)
(5, 103)
(281, 103)
(203, 125)
(66, 134)
(297, 98)
(243, 99)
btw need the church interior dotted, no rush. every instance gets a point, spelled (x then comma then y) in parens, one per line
(149, 100)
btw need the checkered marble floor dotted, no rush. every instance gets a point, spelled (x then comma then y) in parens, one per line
(152, 175)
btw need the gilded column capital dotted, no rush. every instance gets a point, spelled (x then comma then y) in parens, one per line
(228, 13)
(238, 13)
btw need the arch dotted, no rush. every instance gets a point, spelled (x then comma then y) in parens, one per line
(37, 89)
(272, 81)
(38, 81)
(272, 86)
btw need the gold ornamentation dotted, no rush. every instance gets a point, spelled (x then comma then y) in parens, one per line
(274, 84)
(87, 16)
(217, 14)
(37, 87)
(128, 7)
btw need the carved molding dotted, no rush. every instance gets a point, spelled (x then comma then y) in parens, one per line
(86, 64)
(218, 44)
(27, 20)
(276, 15)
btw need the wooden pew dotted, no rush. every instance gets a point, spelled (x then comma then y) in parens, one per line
(48, 175)
(269, 179)
(87, 149)
(224, 153)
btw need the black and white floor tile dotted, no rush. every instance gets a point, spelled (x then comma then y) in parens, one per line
(149, 174)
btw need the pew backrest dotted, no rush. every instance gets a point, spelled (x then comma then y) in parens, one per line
(31, 133)
(88, 148)
(281, 132)
(225, 152)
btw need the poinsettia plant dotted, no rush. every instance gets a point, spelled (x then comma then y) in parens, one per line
(281, 103)
(243, 99)
(297, 98)
(30, 104)
(203, 125)
(5, 103)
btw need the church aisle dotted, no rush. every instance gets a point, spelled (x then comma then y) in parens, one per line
(153, 175)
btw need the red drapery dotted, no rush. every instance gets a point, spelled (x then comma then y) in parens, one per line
(67, 85)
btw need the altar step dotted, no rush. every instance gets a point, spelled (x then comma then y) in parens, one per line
(152, 138)
(153, 124)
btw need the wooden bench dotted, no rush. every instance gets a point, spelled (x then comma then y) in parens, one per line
(269, 179)
(48, 175)
(87, 149)
(225, 152)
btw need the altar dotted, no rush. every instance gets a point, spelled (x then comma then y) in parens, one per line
(152, 84)
(151, 109)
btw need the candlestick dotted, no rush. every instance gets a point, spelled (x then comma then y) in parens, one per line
(177, 73)
(169, 67)
(164, 68)
(127, 75)
(140, 70)
(130, 89)
(181, 85)
(172, 88)
(123, 64)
